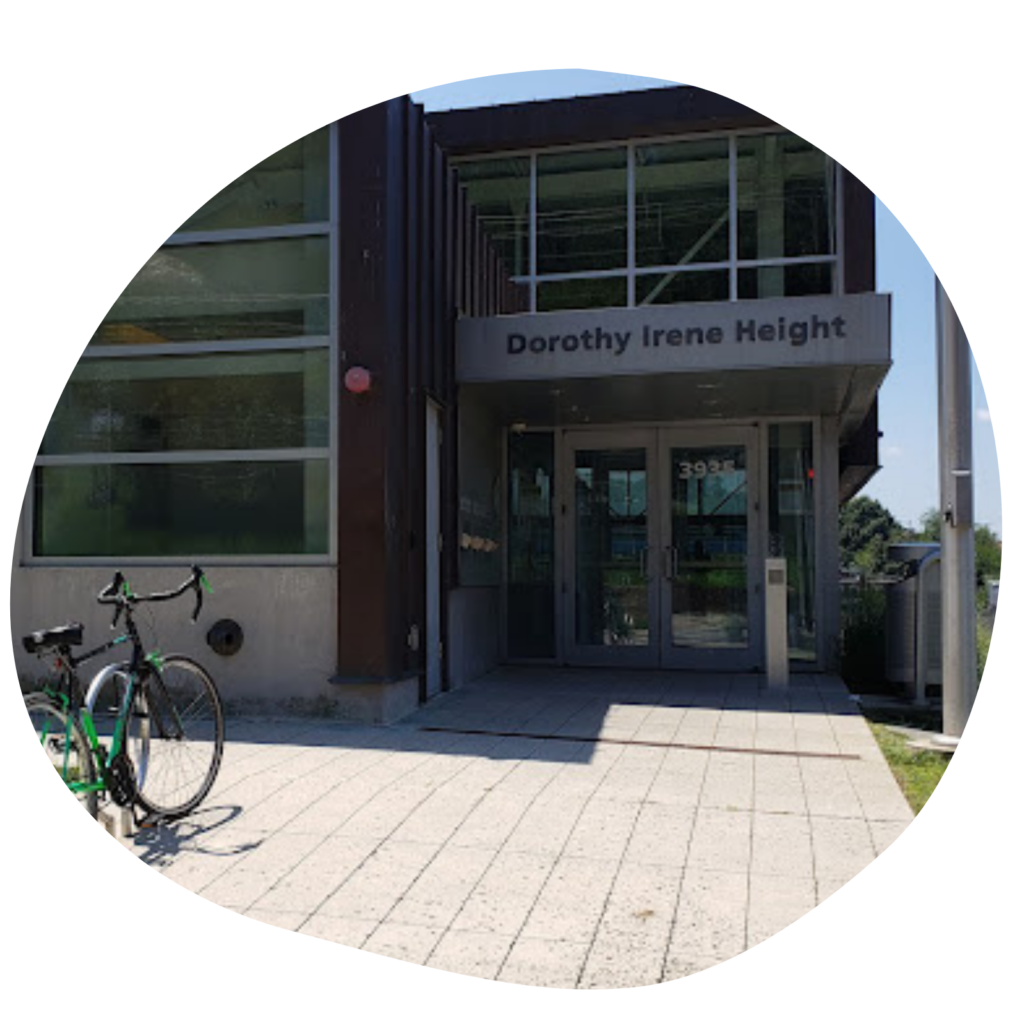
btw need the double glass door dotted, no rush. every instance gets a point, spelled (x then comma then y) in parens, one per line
(661, 549)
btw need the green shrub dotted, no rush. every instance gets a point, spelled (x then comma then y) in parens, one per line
(862, 664)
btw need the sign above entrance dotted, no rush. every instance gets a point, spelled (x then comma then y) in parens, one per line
(830, 330)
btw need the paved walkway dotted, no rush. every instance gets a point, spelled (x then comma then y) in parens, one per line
(562, 828)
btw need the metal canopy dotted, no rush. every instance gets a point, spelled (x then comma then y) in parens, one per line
(844, 391)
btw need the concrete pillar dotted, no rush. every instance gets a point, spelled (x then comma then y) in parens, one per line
(956, 497)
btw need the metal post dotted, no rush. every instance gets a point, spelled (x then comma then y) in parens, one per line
(776, 639)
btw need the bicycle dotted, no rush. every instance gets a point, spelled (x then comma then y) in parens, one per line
(167, 736)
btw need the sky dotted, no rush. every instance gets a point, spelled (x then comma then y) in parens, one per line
(919, 238)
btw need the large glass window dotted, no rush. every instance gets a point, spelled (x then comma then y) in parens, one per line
(703, 286)
(501, 197)
(784, 194)
(181, 509)
(204, 402)
(290, 187)
(274, 288)
(789, 281)
(737, 216)
(531, 545)
(682, 203)
(581, 293)
(791, 527)
(581, 211)
(198, 421)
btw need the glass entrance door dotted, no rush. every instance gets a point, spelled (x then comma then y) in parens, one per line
(612, 583)
(707, 599)
(661, 553)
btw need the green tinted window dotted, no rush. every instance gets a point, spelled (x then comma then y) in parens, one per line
(264, 289)
(181, 403)
(290, 187)
(187, 509)
(499, 191)
(581, 211)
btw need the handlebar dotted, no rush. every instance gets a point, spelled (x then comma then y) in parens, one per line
(119, 593)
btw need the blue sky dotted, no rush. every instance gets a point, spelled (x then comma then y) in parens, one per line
(919, 237)
(908, 482)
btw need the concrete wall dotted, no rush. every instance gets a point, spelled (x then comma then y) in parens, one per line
(287, 614)
(473, 633)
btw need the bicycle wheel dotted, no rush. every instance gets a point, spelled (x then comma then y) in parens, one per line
(104, 701)
(65, 746)
(180, 724)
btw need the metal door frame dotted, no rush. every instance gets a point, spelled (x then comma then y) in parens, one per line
(708, 658)
(573, 440)
(658, 441)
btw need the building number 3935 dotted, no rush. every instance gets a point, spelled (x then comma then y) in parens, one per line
(701, 468)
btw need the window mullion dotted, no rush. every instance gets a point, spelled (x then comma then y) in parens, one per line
(631, 224)
(733, 222)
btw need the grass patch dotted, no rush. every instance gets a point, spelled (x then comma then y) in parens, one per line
(917, 771)
(928, 718)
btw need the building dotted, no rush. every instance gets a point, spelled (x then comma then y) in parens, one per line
(545, 382)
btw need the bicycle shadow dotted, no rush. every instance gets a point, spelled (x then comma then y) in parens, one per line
(161, 843)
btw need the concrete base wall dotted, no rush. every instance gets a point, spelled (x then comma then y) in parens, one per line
(473, 633)
(375, 703)
(287, 615)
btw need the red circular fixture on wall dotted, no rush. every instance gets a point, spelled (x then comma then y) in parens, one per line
(358, 380)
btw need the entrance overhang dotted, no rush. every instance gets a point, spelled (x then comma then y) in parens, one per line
(823, 355)
(843, 391)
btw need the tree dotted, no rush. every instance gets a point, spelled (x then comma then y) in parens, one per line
(866, 529)
(988, 549)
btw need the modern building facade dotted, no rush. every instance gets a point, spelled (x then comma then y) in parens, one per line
(543, 383)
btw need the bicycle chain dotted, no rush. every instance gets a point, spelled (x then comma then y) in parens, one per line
(121, 782)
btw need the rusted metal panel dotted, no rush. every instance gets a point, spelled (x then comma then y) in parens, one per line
(650, 112)
(412, 256)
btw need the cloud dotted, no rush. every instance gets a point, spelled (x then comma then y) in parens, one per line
(893, 451)
(985, 416)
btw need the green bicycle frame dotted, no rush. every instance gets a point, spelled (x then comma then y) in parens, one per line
(102, 760)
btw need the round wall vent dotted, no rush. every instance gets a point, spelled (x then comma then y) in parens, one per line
(225, 637)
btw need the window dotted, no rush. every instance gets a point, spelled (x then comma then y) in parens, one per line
(272, 288)
(682, 203)
(708, 219)
(197, 422)
(501, 196)
(581, 211)
(791, 527)
(530, 590)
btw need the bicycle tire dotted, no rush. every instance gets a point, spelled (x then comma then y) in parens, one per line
(55, 729)
(177, 771)
(103, 700)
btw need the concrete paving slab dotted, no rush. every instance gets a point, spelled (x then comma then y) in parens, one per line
(553, 963)
(635, 828)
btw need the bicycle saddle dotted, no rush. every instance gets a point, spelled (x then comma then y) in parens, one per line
(59, 636)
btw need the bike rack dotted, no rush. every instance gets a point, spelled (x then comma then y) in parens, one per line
(112, 824)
